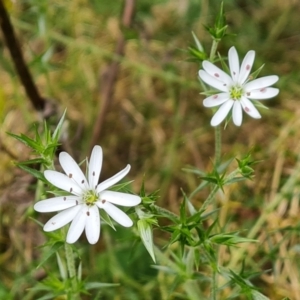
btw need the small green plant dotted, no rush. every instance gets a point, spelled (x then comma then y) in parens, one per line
(187, 260)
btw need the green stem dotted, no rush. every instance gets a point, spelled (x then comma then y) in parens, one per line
(214, 285)
(212, 55)
(216, 188)
(218, 145)
(210, 197)
(233, 174)
(213, 50)
(71, 269)
(165, 211)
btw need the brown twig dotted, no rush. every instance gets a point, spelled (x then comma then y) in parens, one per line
(8, 32)
(110, 75)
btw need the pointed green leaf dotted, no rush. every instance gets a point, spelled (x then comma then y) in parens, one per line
(59, 127)
(37, 174)
(145, 230)
(51, 251)
(61, 267)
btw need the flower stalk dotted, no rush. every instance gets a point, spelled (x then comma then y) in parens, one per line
(71, 269)
(218, 145)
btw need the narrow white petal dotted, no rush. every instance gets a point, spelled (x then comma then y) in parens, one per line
(77, 225)
(249, 108)
(234, 64)
(222, 112)
(237, 113)
(113, 180)
(63, 182)
(115, 213)
(72, 169)
(265, 93)
(95, 166)
(56, 203)
(216, 72)
(92, 226)
(120, 198)
(260, 83)
(62, 218)
(213, 82)
(215, 100)
(246, 66)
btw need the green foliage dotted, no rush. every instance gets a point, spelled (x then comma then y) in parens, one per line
(195, 238)
(42, 145)
(197, 52)
(219, 30)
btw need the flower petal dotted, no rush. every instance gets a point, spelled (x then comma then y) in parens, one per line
(115, 213)
(249, 108)
(113, 180)
(72, 169)
(77, 225)
(120, 198)
(62, 218)
(234, 64)
(95, 166)
(237, 113)
(215, 83)
(246, 66)
(265, 93)
(222, 112)
(56, 203)
(92, 226)
(215, 100)
(63, 182)
(216, 72)
(260, 83)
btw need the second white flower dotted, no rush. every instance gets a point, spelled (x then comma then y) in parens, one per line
(236, 91)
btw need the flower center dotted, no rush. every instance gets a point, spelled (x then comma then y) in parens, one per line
(90, 197)
(236, 92)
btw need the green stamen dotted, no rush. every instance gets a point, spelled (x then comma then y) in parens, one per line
(236, 92)
(90, 198)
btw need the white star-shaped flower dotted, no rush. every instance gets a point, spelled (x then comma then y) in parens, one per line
(82, 207)
(236, 91)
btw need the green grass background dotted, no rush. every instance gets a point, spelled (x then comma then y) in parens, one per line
(157, 123)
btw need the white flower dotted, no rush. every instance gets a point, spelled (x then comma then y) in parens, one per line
(87, 196)
(237, 90)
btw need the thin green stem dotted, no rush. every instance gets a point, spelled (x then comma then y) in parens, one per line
(212, 55)
(213, 50)
(232, 175)
(214, 285)
(71, 269)
(165, 211)
(40, 187)
(218, 145)
(210, 197)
